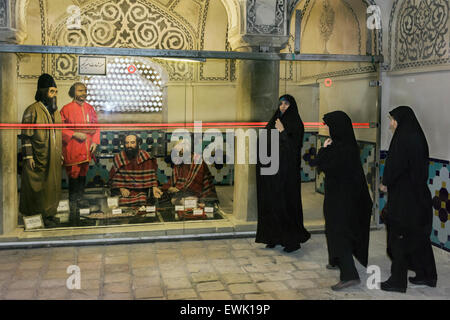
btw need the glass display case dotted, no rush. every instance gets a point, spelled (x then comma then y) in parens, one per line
(206, 99)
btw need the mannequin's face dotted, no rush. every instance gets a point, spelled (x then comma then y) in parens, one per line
(80, 94)
(52, 92)
(284, 105)
(131, 142)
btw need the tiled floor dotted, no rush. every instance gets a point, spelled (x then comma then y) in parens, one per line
(208, 269)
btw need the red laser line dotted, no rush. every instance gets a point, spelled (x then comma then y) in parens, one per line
(150, 125)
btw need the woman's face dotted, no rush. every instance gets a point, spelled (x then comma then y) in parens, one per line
(392, 124)
(284, 105)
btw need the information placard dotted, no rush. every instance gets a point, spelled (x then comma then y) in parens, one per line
(63, 206)
(190, 203)
(85, 212)
(33, 222)
(91, 66)
(209, 209)
(197, 212)
(113, 202)
(117, 211)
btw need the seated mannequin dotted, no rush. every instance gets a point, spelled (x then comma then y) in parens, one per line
(133, 175)
(190, 181)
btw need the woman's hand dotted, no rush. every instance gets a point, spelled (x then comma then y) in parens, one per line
(327, 142)
(383, 188)
(279, 125)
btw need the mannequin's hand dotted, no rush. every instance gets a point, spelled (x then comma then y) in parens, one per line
(80, 136)
(383, 188)
(125, 192)
(157, 193)
(173, 190)
(31, 163)
(93, 147)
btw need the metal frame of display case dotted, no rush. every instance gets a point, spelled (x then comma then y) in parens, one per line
(376, 60)
(188, 54)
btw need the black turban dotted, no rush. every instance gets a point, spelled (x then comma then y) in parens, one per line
(46, 81)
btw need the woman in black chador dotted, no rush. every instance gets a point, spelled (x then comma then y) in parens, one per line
(347, 205)
(280, 213)
(409, 213)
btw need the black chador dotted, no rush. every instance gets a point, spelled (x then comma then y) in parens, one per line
(280, 212)
(347, 204)
(409, 208)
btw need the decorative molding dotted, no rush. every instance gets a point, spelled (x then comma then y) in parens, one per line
(127, 23)
(358, 25)
(3, 14)
(291, 64)
(327, 19)
(421, 36)
(202, 46)
(43, 27)
(341, 73)
(277, 29)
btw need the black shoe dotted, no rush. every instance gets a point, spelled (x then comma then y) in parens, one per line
(422, 282)
(49, 223)
(271, 246)
(306, 237)
(291, 249)
(345, 284)
(332, 267)
(387, 286)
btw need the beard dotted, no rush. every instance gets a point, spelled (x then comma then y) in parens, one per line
(81, 98)
(50, 103)
(131, 152)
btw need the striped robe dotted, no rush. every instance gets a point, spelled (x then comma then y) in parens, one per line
(193, 178)
(137, 175)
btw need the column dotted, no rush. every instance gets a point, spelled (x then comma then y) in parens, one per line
(8, 137)
(264, 30)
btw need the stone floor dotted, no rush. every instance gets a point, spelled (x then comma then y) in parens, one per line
(208, 269)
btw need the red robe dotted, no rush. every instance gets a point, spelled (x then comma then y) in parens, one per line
(74, 151)
(194, 178)
(137, 175)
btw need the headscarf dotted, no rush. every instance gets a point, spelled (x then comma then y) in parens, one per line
(408, 133)
(341, 128)
(343, 136)
(408, 126)
(290, 118)
(292, 124)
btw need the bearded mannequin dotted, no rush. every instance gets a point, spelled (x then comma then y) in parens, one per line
(133, 175)
(41, 148)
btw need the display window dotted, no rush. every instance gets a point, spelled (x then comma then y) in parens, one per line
(129, 119)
